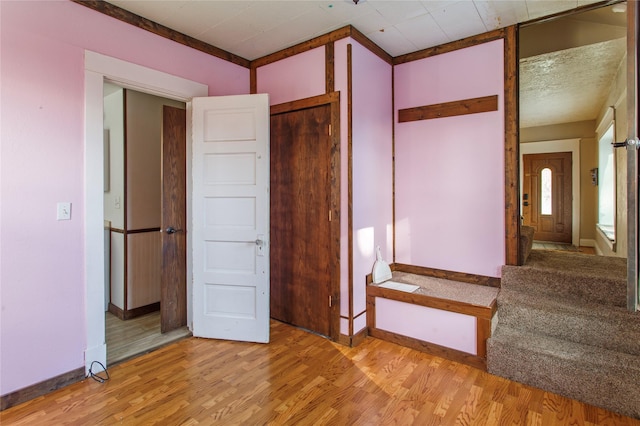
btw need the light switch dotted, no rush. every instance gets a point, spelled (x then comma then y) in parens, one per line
(64, 211)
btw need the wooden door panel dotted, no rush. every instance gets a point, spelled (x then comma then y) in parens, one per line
(173, 286)
(556, 226)
(300, 229)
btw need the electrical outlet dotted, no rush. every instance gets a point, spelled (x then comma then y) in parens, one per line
(64, 211)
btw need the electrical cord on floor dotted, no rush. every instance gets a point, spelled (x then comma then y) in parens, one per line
(97, 377)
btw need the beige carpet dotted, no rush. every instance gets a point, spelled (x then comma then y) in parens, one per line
(563, 327)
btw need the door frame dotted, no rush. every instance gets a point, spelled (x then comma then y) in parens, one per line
(566, 145)
(98, 69)
(333, 100)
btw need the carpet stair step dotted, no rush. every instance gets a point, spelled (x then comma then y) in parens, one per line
(594, 375)
(571, 277)
(610, 327)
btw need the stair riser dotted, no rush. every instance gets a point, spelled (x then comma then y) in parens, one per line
(611, 334)
(613, 388)
(564, 285)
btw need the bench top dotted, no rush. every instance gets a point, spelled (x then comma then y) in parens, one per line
(473, 294)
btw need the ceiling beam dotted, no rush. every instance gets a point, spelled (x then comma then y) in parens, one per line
(158, 29)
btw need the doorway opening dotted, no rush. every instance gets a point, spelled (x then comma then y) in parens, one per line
(135, 196)
(572, 71)
(99, 68)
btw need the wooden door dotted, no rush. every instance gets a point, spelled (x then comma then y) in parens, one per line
(173, 282)
(300, 227)
(547, 196)
(230, 233)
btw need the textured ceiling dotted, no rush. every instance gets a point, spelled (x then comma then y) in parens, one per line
(568, 85)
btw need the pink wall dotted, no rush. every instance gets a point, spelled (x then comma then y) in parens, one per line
(450, 171)
(297, 77)
(42, 265)
(372, 170)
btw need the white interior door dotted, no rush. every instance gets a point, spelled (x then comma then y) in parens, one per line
(230, 231)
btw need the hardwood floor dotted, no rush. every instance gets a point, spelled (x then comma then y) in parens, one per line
(126, 339)
(303, 379)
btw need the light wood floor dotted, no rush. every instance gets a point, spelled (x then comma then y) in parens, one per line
(301, 379)
(126, 339)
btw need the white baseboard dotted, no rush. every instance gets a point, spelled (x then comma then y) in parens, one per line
(587, 242)
(96, 353)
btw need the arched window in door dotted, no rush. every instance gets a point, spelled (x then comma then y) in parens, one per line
(546, 178)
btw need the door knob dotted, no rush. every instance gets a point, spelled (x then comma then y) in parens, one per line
(172, 230)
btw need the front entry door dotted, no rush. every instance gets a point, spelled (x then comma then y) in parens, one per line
(230, 230)
(546, 195)
(173, 282)
(300, 210)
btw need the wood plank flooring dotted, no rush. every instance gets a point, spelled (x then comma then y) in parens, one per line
(126, 339)
(301, 379)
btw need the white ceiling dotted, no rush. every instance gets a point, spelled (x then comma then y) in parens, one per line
(252, 29)
(556, 84)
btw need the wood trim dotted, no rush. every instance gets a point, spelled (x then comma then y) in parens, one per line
(483, 332)
(118, 312)
(333, 99)
(511, 147)
(344, 340)
(449, 109)
(359, 337)
(160, 30)
(142, 231)
(360, 314)
(393, 166)
(371, 46)
(125, 204)
(447, 275)
(450, 47)
(350, 182)
(127, 314)
(570, 12)
(329, 62)
(335, 207)
(34, 391)
(485, 312)
(306, 103)
(355, 340)
(431, 348)
(117, 230)
(305, 46)
(253, 80)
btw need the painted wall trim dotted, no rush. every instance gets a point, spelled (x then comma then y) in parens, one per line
(98, 68)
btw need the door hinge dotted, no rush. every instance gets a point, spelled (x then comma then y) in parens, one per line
(329, 129)
(329, 215)
(330, 301)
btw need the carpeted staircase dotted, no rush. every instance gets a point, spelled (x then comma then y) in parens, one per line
(563, 326)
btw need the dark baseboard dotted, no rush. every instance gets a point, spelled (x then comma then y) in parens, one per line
(133, 313)
(355, 340)
(26, 394)
(431, 348)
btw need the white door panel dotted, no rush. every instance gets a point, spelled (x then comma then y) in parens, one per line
(231, 217)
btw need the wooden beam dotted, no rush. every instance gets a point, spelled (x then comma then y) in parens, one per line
(449, 109)
(450, 47)
(511, 148)
(303, 47)
(158, 29)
